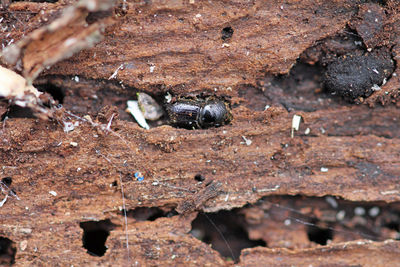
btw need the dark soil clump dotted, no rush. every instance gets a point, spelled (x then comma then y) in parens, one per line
(355, 75)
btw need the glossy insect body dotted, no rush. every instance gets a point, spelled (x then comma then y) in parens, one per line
(190, 114)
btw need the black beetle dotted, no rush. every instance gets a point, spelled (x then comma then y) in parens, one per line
(199, 113)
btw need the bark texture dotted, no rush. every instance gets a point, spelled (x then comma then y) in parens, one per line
(267, 60)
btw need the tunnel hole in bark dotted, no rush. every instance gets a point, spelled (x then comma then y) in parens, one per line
(319, 235)
(299, 221)
(6, 181)
(95, 235)
(227, 33)
(7, 251)
(300, 90)
(149, 213)
(56, 92)
(225, 231)
(15, 111)
(36, 1)
(98, 15)
(199, 178)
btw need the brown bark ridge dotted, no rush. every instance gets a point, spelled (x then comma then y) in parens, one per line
(63, 187)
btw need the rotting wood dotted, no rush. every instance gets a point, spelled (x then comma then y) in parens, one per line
(63, 178)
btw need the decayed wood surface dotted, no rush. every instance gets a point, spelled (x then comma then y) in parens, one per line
(358, 146)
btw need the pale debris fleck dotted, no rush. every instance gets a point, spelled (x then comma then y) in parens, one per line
(227, 197)
(26, 230)
(120, 67)
(133, 108)
(3, 201)
(168, 97)
(307, 131)
(268, 189)
(295, 124)
(246, 141)
(324, 169)
(68, 126)
(390, 192)
(152, 68)
(23, 245)
(376, 87)
(74, 144)
(53, 193)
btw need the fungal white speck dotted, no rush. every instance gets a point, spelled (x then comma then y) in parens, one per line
(360, 211)
(331, 201)
(340, 215)
(374, 211)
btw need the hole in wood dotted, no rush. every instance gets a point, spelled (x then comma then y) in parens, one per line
(199, 178)
(7, 181)
(17, 112)
(36, 1)
(225, 232)
(318, 234)
(56, 92)
(226, 33)
(95, 235)
(7, 251)
(149, 214)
